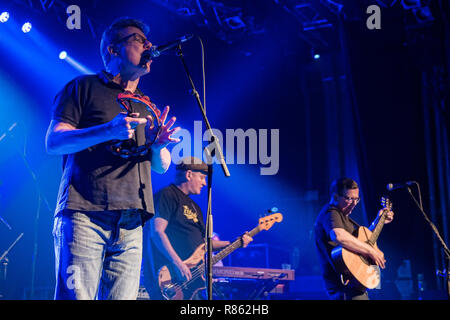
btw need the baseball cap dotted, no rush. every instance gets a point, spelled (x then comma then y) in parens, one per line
(193, 164)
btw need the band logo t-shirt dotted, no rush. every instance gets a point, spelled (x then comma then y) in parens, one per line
(186, 228)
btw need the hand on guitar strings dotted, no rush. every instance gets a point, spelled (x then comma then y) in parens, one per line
(389, 215)
(246, 239)
(378, 257)
(182, 271)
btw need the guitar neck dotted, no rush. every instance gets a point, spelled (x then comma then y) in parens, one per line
(233, 246)
(378, 227)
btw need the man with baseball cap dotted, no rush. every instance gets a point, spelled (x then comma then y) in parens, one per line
(178, 227)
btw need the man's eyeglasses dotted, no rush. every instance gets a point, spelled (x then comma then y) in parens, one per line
(349, 199)
(136, 37)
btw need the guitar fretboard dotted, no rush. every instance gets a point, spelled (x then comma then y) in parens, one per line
(233, 246)
(380, 223)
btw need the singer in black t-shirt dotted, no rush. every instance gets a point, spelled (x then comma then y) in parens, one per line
(105, 197)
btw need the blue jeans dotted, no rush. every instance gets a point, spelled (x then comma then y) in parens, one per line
(98, 255)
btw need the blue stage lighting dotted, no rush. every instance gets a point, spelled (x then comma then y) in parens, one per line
(26, 27)
(62, 55)
(314, 54)
(4, 16)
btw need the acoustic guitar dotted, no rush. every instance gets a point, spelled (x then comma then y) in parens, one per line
(354, 266)
(171, 289)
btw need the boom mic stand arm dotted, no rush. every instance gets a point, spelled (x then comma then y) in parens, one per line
(219, 156)
(436, 232)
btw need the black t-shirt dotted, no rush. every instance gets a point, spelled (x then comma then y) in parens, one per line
(185, 228)
(329, 218)
(94, 179)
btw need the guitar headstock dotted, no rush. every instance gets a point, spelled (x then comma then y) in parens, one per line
(265, 223)
(386, 203)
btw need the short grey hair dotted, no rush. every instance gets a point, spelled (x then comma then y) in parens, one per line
(111, 34)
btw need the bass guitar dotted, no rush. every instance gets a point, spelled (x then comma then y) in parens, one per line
(171, 289)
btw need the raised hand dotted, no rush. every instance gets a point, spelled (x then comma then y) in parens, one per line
(160, 136)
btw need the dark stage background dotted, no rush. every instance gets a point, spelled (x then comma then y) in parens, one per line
(373, 106)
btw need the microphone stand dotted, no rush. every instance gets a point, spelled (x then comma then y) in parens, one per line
(4, 259)
(41, 199)
(218, 154)
(3, 136)
(5, 223)
(436, 232)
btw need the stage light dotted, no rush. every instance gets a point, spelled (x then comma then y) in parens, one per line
(26, 27)
(62, 55)
(314, 54)
(78, 66)
(4, 16)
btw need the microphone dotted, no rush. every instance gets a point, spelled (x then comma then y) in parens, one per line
(395, 186)
(155, 51)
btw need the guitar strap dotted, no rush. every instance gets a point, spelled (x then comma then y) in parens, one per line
(354, 222)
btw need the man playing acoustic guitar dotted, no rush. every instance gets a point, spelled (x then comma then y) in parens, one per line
(335, 228)
(178, 228)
